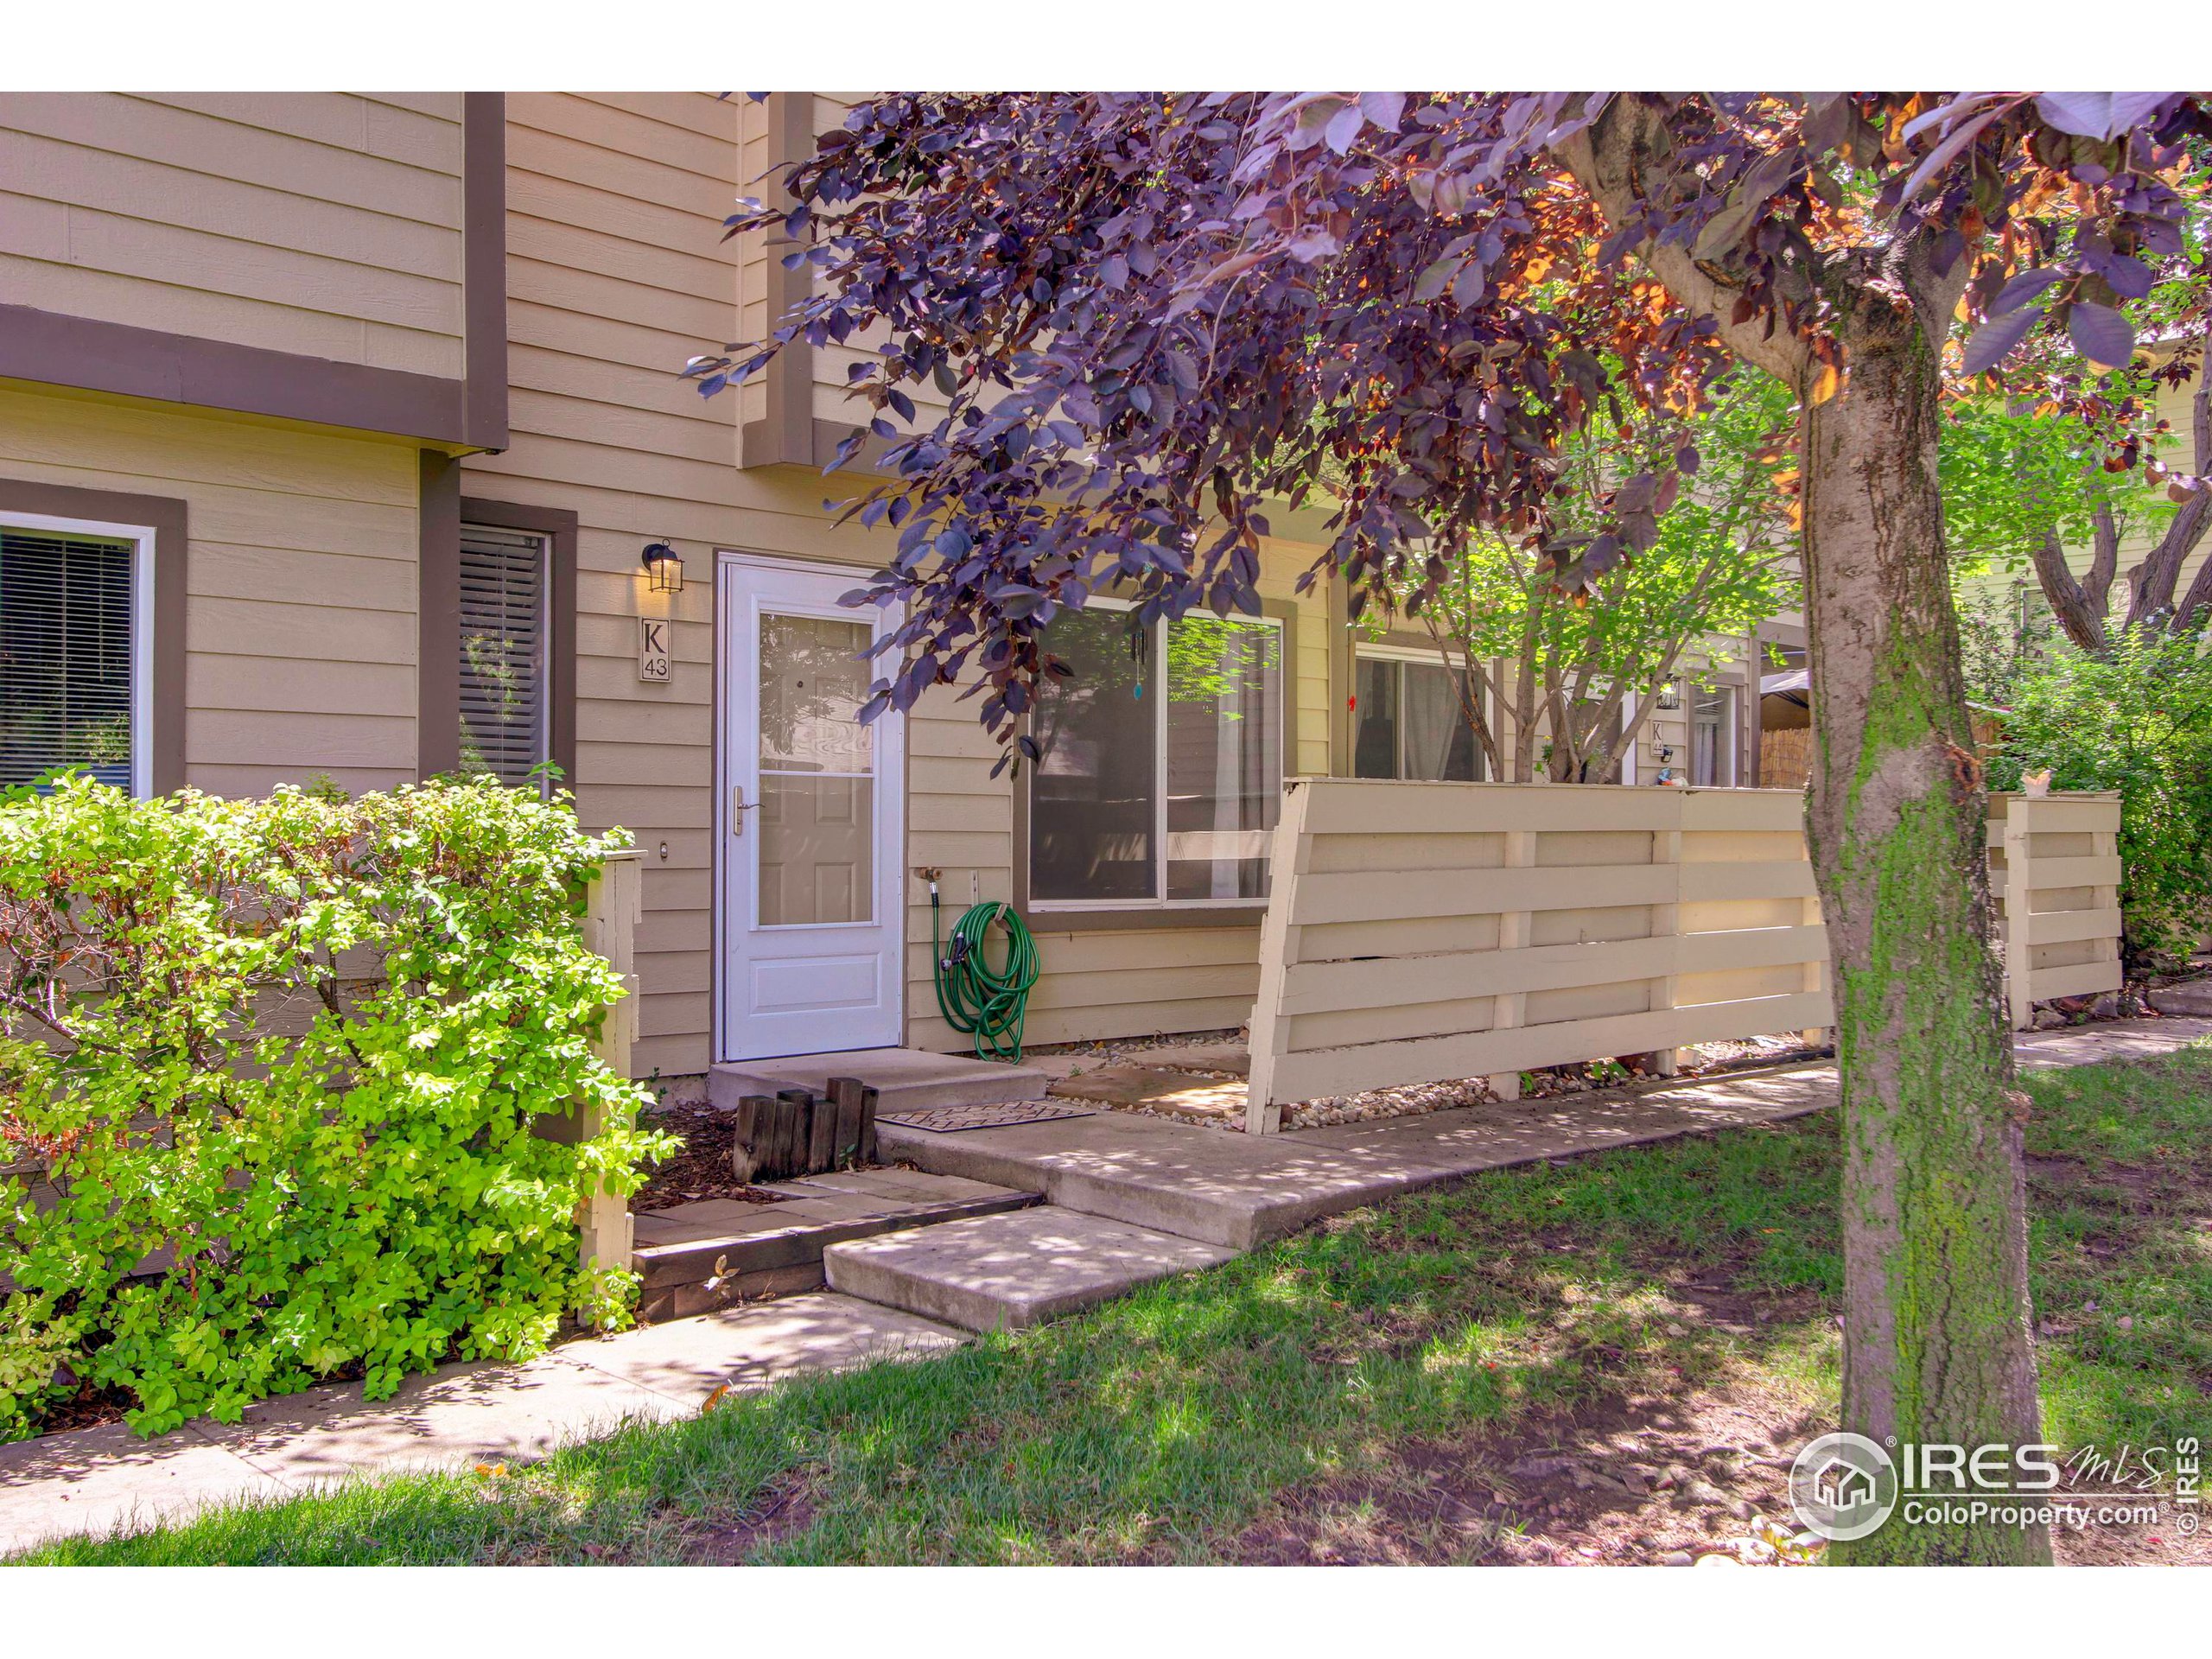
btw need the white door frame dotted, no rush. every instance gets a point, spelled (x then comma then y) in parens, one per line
(890, 730)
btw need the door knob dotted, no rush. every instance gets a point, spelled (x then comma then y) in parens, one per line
(739, 806)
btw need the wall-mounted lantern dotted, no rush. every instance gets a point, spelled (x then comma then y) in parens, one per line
(664, 569)
(1670, 694)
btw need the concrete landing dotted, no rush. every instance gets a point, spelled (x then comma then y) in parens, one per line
(1239, 1190)
(1003, 1273)
(905, 1079)
(97, 1480)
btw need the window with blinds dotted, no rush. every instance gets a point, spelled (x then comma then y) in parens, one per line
(65, 655)
(504, 623)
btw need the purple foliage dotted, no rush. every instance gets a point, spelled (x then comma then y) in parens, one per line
(1152, 317)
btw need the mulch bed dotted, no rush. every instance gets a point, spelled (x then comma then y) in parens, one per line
(701, 1169)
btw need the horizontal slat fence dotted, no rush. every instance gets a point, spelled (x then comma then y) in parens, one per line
(1420, 933)
(2054, 870)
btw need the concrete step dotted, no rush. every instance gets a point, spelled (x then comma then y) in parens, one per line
(905, 1079)
(1004, 1271)
(694, 1258)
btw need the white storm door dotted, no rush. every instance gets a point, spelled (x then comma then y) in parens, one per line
(811, 819)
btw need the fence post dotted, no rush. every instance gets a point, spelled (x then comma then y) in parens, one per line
(1511, 1007)
(1816, 975)
(1278, 945)
(2020, 895)
(1666, 848)
(612, 908)
(2105, 843)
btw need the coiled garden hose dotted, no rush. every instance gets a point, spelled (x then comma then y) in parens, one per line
(976, 999)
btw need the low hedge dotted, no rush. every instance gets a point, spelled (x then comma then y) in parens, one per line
(280, 1060)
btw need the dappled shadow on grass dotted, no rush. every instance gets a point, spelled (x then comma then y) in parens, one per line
(1365, 1391)
(2120, 1203)
(1151, 1429)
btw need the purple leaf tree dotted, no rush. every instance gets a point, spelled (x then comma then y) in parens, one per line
(1155, 317)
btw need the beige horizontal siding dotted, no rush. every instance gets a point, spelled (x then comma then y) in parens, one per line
(330, 224)
(617, 272)
(325, 224)
(300, 626)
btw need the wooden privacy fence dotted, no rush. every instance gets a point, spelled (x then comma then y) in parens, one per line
(1421, 931)
(1417, 933)
(2054, 870)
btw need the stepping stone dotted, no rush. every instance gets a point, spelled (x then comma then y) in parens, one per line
(1231, 1057)
(1161, 1087)
(2190, 997)
(1002, 1273)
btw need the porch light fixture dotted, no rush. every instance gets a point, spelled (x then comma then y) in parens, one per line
(664, 569)
(1670, 694)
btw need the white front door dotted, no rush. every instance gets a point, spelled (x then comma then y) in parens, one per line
(810, 818)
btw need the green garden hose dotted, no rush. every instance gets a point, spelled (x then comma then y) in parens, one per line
(976, 1000)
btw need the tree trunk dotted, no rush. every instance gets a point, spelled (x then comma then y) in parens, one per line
(1937, 1345)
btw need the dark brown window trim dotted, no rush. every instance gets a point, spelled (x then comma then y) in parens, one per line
(1140, 917)
(56, 349)
(1166, 919)
(785, 435)
(172, 552)
(444, 510)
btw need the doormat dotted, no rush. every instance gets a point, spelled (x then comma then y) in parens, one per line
(950, 1119)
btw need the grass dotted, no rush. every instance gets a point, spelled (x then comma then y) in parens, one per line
(1170, 1425)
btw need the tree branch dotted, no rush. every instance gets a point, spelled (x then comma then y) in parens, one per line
(2161, 572)
(1614, 159)
(2082, 620)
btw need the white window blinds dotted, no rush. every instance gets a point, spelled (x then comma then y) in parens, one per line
(65, 655)
(503, 652)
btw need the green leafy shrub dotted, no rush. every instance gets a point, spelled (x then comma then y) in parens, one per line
(281, 1059)
(2137, 720)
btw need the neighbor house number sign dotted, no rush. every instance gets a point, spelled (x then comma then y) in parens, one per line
(653, 655)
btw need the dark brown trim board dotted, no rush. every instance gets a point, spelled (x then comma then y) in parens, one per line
(484, 268)
(784, 436)
(53, 348)
(172, 552)
(444, 510)
(112, 357)
(438, 616)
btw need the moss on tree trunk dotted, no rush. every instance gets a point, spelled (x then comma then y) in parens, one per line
(1935, 1232)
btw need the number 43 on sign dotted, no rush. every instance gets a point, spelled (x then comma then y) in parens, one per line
(653, 653)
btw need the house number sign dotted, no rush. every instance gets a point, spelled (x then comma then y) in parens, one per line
(653, 655)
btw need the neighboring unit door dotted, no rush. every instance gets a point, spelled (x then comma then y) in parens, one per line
(811, 819)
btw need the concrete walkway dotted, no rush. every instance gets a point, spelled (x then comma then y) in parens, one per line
(1241, 1190)
(93, 1480)
(1229, 1192)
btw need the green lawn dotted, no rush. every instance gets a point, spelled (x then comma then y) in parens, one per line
(1317, 1386)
